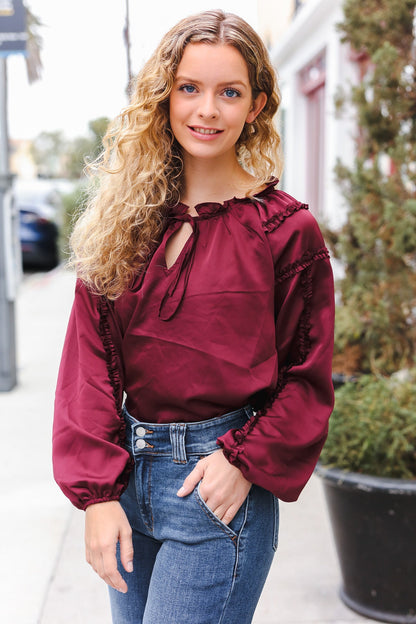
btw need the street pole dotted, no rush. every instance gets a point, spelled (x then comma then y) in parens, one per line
(7, 318)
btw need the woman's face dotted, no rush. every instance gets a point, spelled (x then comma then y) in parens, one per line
(211, 100)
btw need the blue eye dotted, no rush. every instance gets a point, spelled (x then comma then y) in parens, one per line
(188, 88)
(231, 93)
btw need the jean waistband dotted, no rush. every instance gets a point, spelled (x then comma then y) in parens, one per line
(180, 440)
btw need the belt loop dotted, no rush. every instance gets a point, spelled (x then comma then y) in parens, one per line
(249, 411)
(177, 432)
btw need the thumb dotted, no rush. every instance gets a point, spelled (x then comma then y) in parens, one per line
(126, 548)
(191, 480)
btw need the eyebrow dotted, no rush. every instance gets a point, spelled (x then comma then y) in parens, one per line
(221, 84)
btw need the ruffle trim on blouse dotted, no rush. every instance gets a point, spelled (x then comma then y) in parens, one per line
(114, 376)
(308, 258)
(110, 352)
(304, 340)
(274, 222)
(239, 435)
(209, 209)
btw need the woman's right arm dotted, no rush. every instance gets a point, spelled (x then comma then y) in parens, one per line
(90, 464)
(89, 461)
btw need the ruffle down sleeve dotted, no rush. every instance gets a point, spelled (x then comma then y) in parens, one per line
(90, 465)
(279, 447)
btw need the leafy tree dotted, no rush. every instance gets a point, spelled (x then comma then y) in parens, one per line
(98, 128)
(86, 149)
(377, 245)
(55, 156)
(48, 150)
(81, 150)
(76, 154)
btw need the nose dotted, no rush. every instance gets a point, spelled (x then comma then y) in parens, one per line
(207, 106)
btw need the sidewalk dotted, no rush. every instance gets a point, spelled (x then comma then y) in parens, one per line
(44, 578)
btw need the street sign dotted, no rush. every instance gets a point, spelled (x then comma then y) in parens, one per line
(13, 35)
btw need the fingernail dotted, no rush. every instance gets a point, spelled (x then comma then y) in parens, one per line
(181, 491)
(129, 566)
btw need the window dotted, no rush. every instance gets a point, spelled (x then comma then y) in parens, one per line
(312, 86)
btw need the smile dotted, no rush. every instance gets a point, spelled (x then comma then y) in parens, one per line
(205, 130)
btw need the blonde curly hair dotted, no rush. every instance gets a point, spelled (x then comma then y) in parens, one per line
(139, 174)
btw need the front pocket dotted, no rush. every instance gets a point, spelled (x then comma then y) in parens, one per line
(233, 529)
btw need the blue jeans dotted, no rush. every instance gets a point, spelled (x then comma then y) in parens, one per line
(190, 567)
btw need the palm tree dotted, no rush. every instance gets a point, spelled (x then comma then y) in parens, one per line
(126, 33)
(34, 46)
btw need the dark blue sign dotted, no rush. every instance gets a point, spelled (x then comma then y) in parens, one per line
(13, 35)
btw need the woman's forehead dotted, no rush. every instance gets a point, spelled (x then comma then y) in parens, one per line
(212, 61)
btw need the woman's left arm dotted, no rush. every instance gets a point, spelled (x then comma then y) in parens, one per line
(278, 448)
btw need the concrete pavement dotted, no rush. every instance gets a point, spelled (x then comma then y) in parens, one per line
(43, 577)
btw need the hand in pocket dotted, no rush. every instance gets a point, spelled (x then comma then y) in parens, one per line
(222, 485)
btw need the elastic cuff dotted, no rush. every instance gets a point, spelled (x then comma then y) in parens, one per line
(104, 499)
(231, 454)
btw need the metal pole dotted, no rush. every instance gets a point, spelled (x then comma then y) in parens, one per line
(7, 318)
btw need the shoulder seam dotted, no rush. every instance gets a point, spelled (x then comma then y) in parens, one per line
(274, 222)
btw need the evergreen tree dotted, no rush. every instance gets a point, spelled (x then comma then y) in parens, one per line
(376, 318)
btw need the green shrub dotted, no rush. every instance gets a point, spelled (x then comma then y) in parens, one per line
(373, 427)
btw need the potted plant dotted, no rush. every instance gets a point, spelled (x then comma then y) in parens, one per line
(368, 465)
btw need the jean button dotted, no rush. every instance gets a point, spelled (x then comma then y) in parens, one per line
(141, 432)
(140, 444)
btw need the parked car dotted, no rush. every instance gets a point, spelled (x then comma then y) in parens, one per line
(40, 208)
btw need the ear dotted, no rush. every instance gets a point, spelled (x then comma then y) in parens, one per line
(258, 104)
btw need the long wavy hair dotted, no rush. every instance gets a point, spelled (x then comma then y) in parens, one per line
(139, 173)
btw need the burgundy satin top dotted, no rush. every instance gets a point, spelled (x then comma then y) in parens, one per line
(244, 315)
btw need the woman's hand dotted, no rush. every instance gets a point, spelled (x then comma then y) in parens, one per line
(223, 486)
(105, 525)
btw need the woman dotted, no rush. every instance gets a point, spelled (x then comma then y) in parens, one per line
(195, 382)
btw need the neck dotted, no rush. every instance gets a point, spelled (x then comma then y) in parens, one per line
(215, 181)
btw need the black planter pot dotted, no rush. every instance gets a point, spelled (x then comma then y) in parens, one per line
(374, 525)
